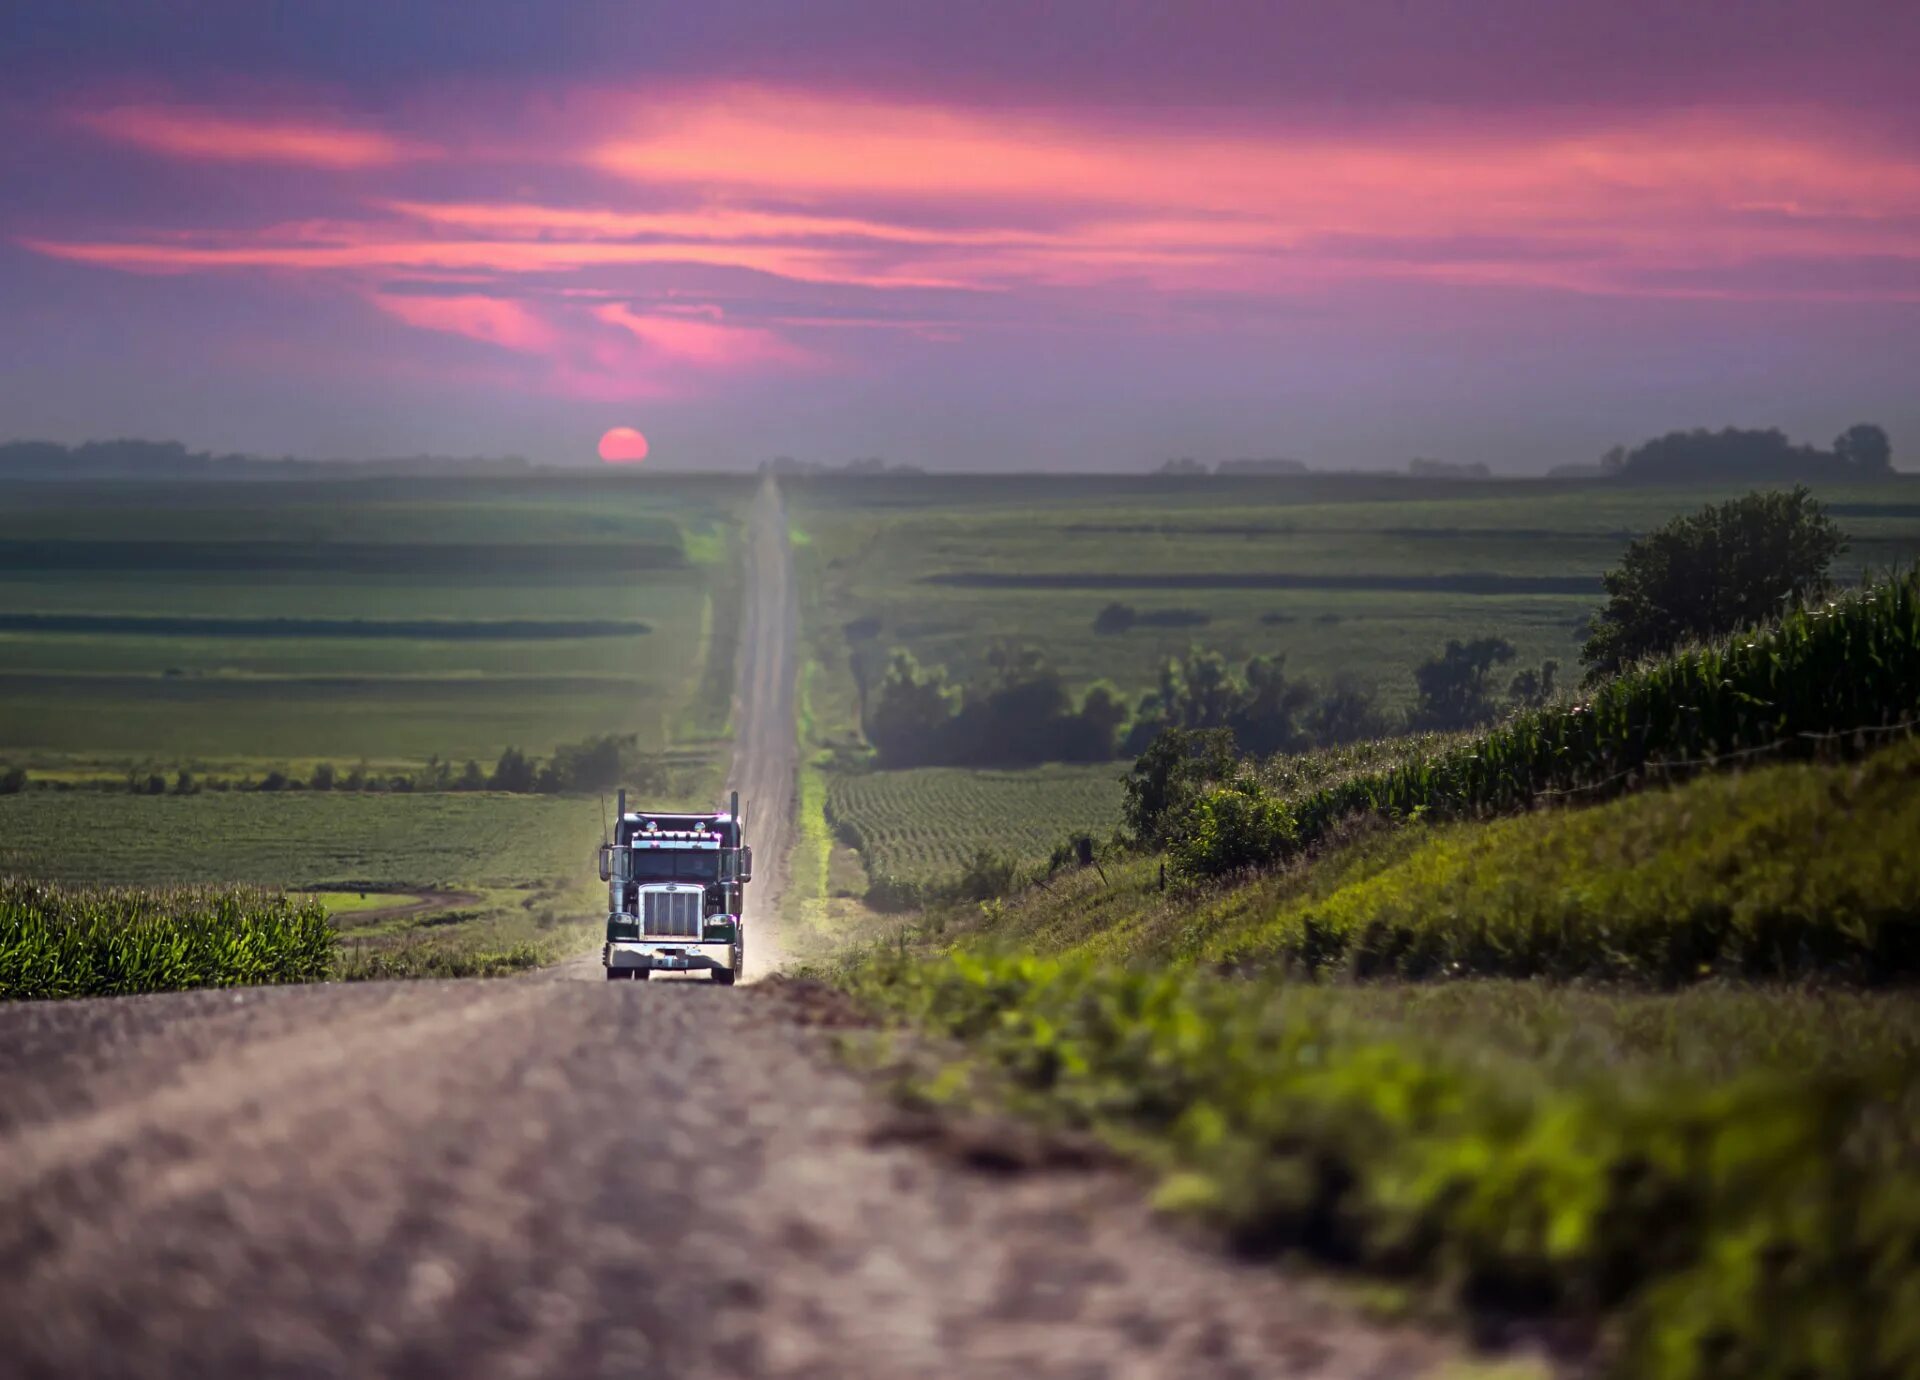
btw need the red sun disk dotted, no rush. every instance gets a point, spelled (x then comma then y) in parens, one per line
(623, 445)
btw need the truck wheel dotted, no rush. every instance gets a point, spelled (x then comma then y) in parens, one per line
(723, 976)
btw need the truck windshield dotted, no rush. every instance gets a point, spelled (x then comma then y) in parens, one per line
(660, 865)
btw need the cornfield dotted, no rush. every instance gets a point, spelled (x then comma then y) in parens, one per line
(1836, 676)
(927, 824)
(74, 942)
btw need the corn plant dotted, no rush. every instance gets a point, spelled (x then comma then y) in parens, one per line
(78, 942)
(1839, 677)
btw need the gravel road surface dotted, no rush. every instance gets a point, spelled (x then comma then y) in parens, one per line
(552, 1177)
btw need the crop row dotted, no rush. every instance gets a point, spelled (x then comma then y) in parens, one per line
(927, 824)
(1833, 673)
(62, 942)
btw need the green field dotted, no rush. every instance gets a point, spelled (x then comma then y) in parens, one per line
(307, 841)
(1364, 576)
(235, 629)
(212, 625)
(509, 879)
(925, 825)
(1342, 575)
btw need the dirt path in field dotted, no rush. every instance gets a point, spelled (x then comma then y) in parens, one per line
(416, 904)
(766, 756)
(544, 1177)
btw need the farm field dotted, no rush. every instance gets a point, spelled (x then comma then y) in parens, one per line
(492, 881)
(235, 630)
(303, 841)
(924, 825)
(390, 620)
(1362, 577)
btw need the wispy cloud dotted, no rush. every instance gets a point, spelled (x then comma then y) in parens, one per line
(497, 321)
(184, 132)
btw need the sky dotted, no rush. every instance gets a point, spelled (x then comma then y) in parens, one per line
(988, 235)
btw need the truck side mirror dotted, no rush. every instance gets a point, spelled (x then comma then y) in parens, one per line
(606, 862)
(746, 864)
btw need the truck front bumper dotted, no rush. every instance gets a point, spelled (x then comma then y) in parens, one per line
(668, 955)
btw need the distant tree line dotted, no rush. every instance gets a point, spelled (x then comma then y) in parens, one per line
(1022, 713)
(1860, 452)
(593, 764)
(137, 459)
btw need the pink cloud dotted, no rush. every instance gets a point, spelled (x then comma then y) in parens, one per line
(492, 319)
(180, 132)
(703, 343)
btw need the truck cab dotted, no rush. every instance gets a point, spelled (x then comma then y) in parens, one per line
(675, 893)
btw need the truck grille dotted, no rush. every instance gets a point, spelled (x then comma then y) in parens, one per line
(671, 914)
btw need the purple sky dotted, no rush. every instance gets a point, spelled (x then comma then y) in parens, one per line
(984, 235)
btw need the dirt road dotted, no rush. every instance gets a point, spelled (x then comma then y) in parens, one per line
(545, 1177)
(765, 752)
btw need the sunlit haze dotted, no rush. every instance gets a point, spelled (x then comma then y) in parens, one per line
(995, 236)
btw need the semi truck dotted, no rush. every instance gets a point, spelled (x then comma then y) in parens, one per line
(675, 893)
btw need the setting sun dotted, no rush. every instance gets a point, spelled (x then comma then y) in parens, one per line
(622, 445)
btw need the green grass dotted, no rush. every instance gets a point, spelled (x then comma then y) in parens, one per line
(926, 824)
(352, 903)
(1786, 872)
(65, 942)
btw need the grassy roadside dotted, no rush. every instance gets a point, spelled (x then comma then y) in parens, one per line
(1759, 1223)
(1700, 1177)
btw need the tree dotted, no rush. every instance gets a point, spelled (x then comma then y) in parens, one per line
(472, 778)
(1270, 718)
(1348, 713)
(1531, 688)
(1169, 777)
(594, 764)
(322, 778)
(1866, 448)
(513, 772)
(911, 711)
(1711, 573)
(1454, 689)
(13, 780)
(1114, 619)
(1730, 453)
